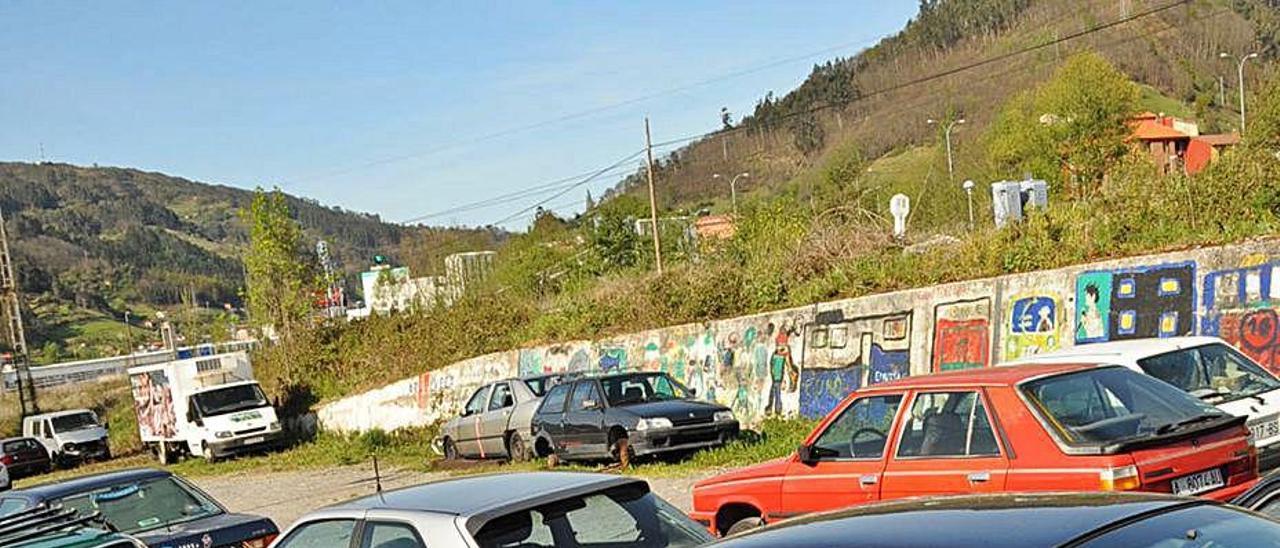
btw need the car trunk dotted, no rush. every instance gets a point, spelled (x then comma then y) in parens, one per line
(1196, 462)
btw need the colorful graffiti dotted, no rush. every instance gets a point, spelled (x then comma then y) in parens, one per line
(1135, 303)
(961, 335)
(1034, 326)
(529, 362)
(842, 355)
(1240, 306)
(612, 358)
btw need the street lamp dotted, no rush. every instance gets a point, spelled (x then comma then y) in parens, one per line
(733, 188)
(946, 131)
(968, 190)
(1240, 74)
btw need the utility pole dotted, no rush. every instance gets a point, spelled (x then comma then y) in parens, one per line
(17, 337)
(1240, 73)
(653, 200)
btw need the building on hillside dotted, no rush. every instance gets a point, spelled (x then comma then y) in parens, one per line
(392, 289)
(714, 227)
(1176, 145)
(1203, 150)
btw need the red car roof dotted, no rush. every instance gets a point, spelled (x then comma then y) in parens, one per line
(987, 376)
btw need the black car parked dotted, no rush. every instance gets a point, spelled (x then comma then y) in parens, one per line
(24, 457)
(996, 521)
(624, 415)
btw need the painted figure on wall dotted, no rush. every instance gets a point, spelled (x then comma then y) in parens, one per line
(1240, 305)
(1033, 326)
(1092, 323)
(783, 373)
(1135, 303)
(962, 335)
(842, 354)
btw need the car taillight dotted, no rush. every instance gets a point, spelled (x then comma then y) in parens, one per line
(1124, 478)
(260, 542)
(6, 459)
(1245, 461)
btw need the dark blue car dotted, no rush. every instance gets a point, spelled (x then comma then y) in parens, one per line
(157, 507)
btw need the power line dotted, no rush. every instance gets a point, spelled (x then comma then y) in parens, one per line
(584, 181)
(550, 186)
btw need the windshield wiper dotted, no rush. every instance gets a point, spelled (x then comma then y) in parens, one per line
(1204, 417)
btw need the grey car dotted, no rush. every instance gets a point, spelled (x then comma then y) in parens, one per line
(501, 510)
(495, 423)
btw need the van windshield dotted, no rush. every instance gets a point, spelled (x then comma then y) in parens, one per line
(134, 507)
(1215, 372)
(230, 399)
(69, 423)
(1114, 404)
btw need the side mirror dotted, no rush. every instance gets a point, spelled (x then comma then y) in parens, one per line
(805, 453)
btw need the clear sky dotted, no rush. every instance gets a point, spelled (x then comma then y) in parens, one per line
(401, 108)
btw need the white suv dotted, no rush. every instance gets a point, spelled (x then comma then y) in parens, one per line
(1206, 367)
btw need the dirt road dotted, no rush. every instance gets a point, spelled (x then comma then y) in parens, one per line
(286, 496)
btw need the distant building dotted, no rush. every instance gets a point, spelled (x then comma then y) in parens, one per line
(1175, 144)
(392, 289)
(1203, 150)
(714, 227)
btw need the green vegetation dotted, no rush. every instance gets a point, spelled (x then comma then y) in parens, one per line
(280, 277)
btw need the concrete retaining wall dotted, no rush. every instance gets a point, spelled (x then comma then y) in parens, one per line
(805, 360)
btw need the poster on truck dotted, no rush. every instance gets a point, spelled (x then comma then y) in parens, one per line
(153, 404)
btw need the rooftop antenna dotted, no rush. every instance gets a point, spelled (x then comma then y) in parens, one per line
(377, 476)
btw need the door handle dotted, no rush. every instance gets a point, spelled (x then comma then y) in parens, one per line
(979, 477)
(868, 479)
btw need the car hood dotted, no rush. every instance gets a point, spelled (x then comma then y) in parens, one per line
(222, 530)
(84, 434)
(673, 409)
(775, 468)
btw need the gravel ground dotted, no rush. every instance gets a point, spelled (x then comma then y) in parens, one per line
(286, 496)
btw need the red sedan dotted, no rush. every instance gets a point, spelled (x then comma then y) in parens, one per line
(1071, 427)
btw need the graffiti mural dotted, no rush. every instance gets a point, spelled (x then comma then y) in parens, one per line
(153, 404)
(1135, 303)
(842, 355)
(1033, 326)
(962, 335)
(1240, 306)
(530, 362)
(612, 359)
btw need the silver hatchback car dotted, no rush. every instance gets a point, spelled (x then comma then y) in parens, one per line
(495, 422)
(502, 510)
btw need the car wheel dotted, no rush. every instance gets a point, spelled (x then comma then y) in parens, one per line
(744, 524)
(622, 451)
(516, 450)
(450, 450)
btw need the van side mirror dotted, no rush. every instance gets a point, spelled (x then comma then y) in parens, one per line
(805, 454)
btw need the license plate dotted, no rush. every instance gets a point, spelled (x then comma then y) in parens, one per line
(1198, 483)
(1265, 428)
(251, 441)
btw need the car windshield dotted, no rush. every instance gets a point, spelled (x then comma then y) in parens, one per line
(1214, 372)
(623, 516)
(134, 507)
(628, 389)
(230, 399)
(1114, 404)
(1199, 525)
(77, 421)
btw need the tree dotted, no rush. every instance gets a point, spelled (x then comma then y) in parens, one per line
(1263, 130)
(280, 276)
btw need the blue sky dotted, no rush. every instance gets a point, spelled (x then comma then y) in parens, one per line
(381, 106)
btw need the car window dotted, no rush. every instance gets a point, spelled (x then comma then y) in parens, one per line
(502, 397)
(554, 402)
(136, 506)
(583, 392)
(1215, 372)
(12, 446)
(321, 534)
(948, 424)
(390, 535)
(1270, 507)
(1199, 525)
(1112, 404)
(623, 516)
(477, 401)
(860, 431)
(9, 506)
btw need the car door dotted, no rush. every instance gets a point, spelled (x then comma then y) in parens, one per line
(846, 459)
(321, 533)
(947, 445)
(28, 455)
(469, 424)
(493, 422)
(584, 421)
(380, 533)
(549, 419)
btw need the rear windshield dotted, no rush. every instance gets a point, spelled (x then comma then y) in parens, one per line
(1114, 404)
(1215, 372)
(134, 507)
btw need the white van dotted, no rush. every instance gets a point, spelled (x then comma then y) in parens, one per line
(69, 436)
(1206, 367)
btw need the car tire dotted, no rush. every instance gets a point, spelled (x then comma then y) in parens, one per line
(744, 524)
(207, 453)
(516, 450)
(622, 452)
(450, 450)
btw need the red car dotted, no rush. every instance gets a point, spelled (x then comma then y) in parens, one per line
(1070, 427)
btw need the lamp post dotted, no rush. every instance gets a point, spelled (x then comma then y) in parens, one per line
(733, 188)
(1240, 74)
(968, 190)
(946, 131)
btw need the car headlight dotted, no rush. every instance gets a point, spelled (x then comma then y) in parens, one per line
(651, 424)
(222, 435)
(724, 416)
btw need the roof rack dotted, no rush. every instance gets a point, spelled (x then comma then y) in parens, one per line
(44, 520)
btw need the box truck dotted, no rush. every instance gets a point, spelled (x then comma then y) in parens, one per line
(206, 406)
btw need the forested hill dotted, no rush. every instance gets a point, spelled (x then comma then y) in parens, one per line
(90, 243)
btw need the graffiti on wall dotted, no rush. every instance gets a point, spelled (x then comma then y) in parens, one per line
(1033, 327)
(962, 335)
(1240, 306)
(612, 358)
(529, 362)
(844, 354)
(1135, 303)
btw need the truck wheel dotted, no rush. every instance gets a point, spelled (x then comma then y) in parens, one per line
(167, 455)
(516, 450)
(207, 453)
(744, 524)
(450, 450)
